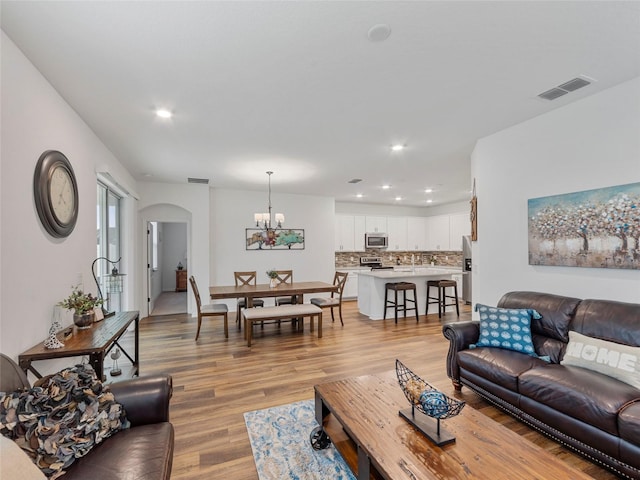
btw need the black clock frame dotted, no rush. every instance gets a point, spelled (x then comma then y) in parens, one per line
(47, 163)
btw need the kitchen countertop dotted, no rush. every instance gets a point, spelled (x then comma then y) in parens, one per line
(409, 272)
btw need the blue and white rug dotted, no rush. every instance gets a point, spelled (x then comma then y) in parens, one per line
(279, 439)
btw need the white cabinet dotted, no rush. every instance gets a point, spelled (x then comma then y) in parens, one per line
(351, 287)
(349, 233)
(459, 225)
(438, 232)
(344, 233)
(397, 231)
(416, 233)
(376, 224)
(359, 229)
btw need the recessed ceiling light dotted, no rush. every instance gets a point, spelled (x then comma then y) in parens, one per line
(429, 201)
(397, 148)
(428, 190)
(163, 113)
(359, 195)
(398, 199)
(379, 32)
(386, 187)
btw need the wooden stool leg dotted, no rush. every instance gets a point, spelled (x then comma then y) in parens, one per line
(455, 291)
(395, 307)
(415, 304)
(386, 291)
(226, 326)
(440, 300)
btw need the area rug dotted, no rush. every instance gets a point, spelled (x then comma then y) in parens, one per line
(279, 439)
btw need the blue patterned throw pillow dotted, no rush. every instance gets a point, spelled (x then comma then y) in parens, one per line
(508, 328)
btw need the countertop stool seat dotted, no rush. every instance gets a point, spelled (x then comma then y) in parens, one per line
(404, 307)
(441, 299)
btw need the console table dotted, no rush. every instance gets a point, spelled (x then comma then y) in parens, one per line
(96, 342)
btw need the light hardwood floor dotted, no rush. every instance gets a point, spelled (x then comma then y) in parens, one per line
(217, 379)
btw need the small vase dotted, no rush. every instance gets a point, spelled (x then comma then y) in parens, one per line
(84, 320)
(273, 283)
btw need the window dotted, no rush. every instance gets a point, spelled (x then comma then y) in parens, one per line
(154, 245)
(108, 243)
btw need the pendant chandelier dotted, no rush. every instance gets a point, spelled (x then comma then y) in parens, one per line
(265, 220)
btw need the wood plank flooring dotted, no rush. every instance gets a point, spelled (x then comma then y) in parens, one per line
(217, 379)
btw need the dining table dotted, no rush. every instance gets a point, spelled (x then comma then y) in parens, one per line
(261, 290)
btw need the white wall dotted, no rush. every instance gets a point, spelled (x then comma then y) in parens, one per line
(37, 270)
(589, 144)
(184, 203)
(232, 212)
(357, 208)
(174, 250)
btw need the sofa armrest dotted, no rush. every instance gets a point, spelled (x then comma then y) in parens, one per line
(145, 399)
(460, 336)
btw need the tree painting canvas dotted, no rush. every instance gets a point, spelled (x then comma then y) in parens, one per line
(274, 239)
(594, 228)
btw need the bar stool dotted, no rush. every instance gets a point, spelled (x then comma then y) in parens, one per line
(441, 299)
(400, 287)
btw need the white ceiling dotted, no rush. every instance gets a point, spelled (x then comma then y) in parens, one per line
(297, 87)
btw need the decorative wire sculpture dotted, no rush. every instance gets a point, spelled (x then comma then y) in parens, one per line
(115, 370)
(429, 401)
(113, 282)
(53, 342)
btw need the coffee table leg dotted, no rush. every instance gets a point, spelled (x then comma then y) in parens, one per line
(363, 464)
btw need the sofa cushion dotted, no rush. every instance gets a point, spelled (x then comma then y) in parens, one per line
(16, 463)
(500, 366)
(62, 419)
(143, 452)
(506, 328)
(588, 396)
(610, 358)
(557, 312)
(608, 320)
(629, 422)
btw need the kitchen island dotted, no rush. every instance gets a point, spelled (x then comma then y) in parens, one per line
(371, 287)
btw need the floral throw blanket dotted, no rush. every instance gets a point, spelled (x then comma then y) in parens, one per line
(62, 418)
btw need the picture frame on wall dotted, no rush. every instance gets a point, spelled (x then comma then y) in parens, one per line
(597, 228)
(274, 239)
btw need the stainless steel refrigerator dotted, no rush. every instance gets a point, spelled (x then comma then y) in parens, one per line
(466, 269)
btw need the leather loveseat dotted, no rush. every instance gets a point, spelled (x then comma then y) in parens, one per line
(142, 452)
(594, 414)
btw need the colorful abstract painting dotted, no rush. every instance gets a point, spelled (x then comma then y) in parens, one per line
(594, 228)
(275, 239)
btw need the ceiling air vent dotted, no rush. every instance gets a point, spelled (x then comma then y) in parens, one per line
(355, 180)
(204, 181)
(566, 87)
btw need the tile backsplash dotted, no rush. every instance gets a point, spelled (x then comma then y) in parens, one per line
(352, 259)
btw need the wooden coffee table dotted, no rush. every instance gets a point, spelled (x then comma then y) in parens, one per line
(360, 415)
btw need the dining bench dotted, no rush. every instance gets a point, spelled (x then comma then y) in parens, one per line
(280, 312)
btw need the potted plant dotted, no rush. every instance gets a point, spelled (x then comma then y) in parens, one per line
(273, 275)
(82, 304)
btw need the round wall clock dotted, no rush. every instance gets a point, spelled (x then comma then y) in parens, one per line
(56, 193)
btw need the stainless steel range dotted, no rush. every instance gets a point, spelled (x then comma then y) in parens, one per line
(374, 262)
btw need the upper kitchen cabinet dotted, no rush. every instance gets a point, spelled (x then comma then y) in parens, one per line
(376, 224)
(349, 233)
(437, 232)
(459, 225)
(397, 231)
(417, 233)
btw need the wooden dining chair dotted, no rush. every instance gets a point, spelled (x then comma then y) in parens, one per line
(285, 277)
(245, 278)
(339, 279)
(213, 310)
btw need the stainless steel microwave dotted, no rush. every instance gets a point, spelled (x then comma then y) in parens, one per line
(376, 240)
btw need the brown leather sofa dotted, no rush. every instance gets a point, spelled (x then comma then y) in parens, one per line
(596, 415)
(142, 452)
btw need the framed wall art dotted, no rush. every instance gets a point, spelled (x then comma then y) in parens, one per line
(594, 228)
(272, 239)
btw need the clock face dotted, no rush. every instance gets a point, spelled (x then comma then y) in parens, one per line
(56, 194)
(61, 194)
